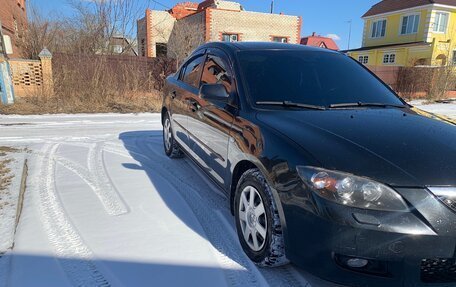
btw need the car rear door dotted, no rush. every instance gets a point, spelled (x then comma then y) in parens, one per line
(186, 86)
(209, 122)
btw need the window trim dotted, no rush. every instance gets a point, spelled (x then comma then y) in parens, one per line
(402, 23)
(447, 24)
(372, 28)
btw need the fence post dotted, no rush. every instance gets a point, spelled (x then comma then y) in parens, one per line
(46, 68)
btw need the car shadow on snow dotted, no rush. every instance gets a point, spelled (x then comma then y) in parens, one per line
(206, 202)
(34, 270)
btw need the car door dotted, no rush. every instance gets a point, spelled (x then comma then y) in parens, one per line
(184, 87)
(209, 122)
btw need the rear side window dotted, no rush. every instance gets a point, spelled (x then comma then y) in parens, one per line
(192, 72)
(215, 72)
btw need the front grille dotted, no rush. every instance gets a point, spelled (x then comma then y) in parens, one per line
(438, 270)
(447, 195)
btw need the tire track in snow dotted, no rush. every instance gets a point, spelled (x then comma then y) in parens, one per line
(72, 254)
(104, 188)
(279, 276)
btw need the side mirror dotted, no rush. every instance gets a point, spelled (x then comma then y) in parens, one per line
(214, 92)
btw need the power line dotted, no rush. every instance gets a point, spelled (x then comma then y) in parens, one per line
(161, 4)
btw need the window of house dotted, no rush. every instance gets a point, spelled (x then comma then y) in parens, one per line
(363, 59)
(230, 37)
(454, 57)
(378, 29)
(410, 24)
(143, 47)
(441, 22)
(389, 58)
(192, 72)
(215, 72)
(280, 39)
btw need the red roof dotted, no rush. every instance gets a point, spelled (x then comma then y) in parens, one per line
(319, 41)
(386, 6)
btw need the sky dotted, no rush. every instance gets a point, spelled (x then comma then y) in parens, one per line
(325, 17)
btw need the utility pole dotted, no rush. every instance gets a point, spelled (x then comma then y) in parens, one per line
(272, 6)
(349, 33)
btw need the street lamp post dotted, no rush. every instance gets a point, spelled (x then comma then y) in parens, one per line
(349, 33)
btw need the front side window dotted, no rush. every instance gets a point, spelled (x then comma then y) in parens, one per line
(310, 77)
(440, 22)
(192, 72)
(389, 58)
(454, 57)
(230, 37)
(280, 39)
(215, 72)
(410, 24)
(378, 29)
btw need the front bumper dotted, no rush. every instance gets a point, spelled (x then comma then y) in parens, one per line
(415, 248)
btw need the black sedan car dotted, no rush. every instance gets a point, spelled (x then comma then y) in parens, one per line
(324, 165)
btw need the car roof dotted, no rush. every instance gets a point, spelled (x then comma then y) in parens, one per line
(232, 47)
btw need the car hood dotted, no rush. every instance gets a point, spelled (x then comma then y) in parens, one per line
(405, 147)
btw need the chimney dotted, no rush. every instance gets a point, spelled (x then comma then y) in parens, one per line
(314, 34)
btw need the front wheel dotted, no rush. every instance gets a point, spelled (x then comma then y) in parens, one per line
(172, 149)
(258, 222)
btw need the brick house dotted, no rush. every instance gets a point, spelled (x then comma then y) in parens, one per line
(13, 16)
(212, 20)
(319, 41)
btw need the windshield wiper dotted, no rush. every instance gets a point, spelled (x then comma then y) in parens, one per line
(290, 104)
(361, 104)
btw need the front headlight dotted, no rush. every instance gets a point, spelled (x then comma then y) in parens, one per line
(351, 190)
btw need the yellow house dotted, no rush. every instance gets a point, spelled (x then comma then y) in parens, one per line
(409, 33)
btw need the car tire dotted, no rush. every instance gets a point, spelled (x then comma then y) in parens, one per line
(172, 149)
(258, 217)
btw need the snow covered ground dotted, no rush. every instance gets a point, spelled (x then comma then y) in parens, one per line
(105, 207)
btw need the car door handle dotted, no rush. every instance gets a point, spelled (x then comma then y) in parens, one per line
(173, 95)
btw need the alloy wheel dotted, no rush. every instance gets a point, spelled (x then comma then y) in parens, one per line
(167, 134)
(252, 217)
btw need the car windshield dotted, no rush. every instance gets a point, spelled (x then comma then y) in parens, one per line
(316, 78)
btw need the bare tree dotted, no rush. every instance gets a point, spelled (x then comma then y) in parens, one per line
(184, 38)
(89, 30)
(40, 33)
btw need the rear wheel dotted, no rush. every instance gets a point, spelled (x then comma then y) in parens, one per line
(172, 149)
(258, 222)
